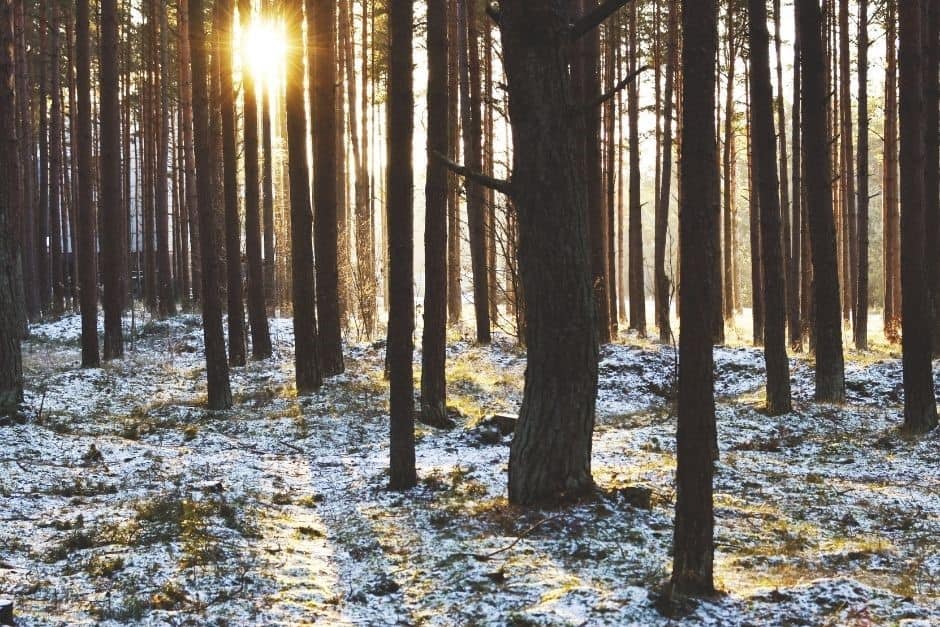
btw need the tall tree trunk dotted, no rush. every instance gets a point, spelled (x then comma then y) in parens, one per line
(611, 112)
(920, 405)
(233, 265)
(636, 269)
(111, 204)
(861, 292)
(830, 377)
(454, 291)
(164, 272)
(220, 394)
(257, 315)
(790, 295)
(728, 161)
(55, 164)
(848, 160)
(550, 457)
(932, 163)
(88, 267)
(757, 263)
(663, 286)
(321, 25)
(693, 546)
(797, 289)
(402, 474)
(765, 156)
(433, 344)
(11, 280)
(186, 103)
(306, 350)
(27, 224)
(892, 216)
(267, 195)
(469, 58)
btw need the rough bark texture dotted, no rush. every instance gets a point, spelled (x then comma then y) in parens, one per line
(892, 218)
(932, 162)
(775, 340)
(550, 457)
(433, 344)
(87, 255)
(861, 291)
(920, 406)
(11, 287)
(830, 368)
(306, 352)
(257, 315)
(402, 474)
(220, 393)
(111, 205)
(321, 28)
(693, 548)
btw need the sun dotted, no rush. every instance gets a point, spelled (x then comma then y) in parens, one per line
(264, 43)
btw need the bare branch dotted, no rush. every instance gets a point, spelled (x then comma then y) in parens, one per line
(587, 23)
(500, 185)
(617, 88)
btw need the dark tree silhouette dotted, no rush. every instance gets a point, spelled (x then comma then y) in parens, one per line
(220, 393)
(402, 474)
(693, 548)
(830, 377)
(920, 405)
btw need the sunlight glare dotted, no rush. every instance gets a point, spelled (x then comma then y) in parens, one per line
(265, 47)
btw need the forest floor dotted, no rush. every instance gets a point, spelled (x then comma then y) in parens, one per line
(122, 499)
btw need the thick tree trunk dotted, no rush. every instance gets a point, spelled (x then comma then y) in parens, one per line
(11, 286)
(765, 156)
(402, 474)
(220, 394)
(306, 350)
(257, 315)
(861, 291)
(111, 204)
(321, 28)
(920, 405)
(830, 377)
(550, 457)
(693, 547)
(932, 163)
(757, 263)
(433, 344)
(797, 288)
(88, 267)
(267, 197)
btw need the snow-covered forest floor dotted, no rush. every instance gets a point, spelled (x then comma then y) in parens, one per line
(122, 499)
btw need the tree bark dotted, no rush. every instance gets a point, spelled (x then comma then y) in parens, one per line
(765, 156)
(932, 164)
(861, 291)
(402, 474)
(11, 285)
(220, 394)
(306, 350)
(88, 267)
(920, 405)
(830, 377)
(636, 270)
(433, 344)
(189, 155)
(454, 292)
(663, 285)
(257, 315)
(892, 217)
(693, 547)
(550, 456)
(321, 26)
(111, 204)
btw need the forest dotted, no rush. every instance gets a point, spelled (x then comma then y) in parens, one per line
(459, 312)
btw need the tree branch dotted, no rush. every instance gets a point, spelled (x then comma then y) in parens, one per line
(500, 185)
(587, 23)
(617, 88)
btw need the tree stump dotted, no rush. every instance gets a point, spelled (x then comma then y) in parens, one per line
(6, 611)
